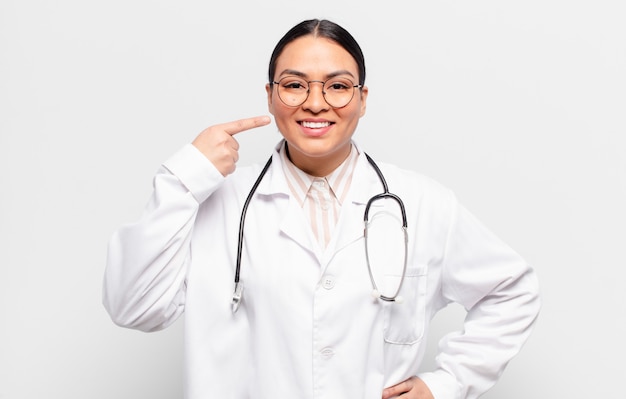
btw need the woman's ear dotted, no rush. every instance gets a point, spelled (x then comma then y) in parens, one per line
(269, 90)
(364, 91)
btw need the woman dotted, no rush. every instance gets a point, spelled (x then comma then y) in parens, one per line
(307, 324)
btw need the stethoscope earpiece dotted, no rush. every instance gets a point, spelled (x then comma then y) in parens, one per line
(237, 296)
(397, 299)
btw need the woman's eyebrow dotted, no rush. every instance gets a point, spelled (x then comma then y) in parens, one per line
(339, 73)
(304, 75)
(293, 72)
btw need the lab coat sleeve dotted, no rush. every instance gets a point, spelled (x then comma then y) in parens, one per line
(144, 281)
(500, 292)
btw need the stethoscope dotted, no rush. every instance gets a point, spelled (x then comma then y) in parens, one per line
(238, 292)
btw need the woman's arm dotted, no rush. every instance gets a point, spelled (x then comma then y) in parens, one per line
(144, 282)
(499, 290)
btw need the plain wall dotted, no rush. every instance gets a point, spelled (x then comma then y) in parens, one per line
(519, 107)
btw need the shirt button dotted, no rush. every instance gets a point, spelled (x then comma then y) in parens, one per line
(325, 205)
(328, 282)
(327, 353)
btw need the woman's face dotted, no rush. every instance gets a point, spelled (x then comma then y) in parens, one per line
(317, 134)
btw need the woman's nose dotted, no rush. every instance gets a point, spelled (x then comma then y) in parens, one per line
(316, 102)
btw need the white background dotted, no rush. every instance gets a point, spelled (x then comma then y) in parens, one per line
(517, 106)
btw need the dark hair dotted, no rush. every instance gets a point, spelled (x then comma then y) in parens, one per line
(320, 28)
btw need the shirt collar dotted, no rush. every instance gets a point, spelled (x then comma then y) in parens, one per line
(338, 180)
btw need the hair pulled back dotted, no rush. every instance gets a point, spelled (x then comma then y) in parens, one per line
(320, 28)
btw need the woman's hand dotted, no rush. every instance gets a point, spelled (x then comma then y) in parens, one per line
(413, 388)
(220, 147)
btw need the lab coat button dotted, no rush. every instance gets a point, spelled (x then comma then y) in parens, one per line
(328, 282)
(327, 353)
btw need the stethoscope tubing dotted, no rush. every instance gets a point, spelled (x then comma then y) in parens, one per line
(242, 220)
(384, 194)
(238, 292)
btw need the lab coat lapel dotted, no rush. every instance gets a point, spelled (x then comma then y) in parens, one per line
(293, 223)
(296, 227)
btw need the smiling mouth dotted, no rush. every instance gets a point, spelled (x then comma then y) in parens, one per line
(315, 125)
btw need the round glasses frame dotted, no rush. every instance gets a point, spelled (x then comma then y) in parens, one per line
(308, 91)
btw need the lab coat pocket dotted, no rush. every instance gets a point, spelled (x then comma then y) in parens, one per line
(405, 319)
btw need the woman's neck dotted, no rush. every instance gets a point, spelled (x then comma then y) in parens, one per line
(320, 166)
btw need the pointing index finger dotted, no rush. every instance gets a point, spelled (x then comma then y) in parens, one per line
(242, 125)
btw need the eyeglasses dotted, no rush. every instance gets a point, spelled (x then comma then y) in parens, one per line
(293, 91)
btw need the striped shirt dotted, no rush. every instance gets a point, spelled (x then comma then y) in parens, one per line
(320, 197)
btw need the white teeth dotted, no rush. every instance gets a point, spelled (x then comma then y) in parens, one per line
(315, 125)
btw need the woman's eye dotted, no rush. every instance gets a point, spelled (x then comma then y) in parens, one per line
(294, 85)
(338, 86)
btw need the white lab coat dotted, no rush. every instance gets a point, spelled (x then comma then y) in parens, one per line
(308, 326)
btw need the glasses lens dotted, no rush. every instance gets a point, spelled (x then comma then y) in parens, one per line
(338, 92)
(293, 91)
